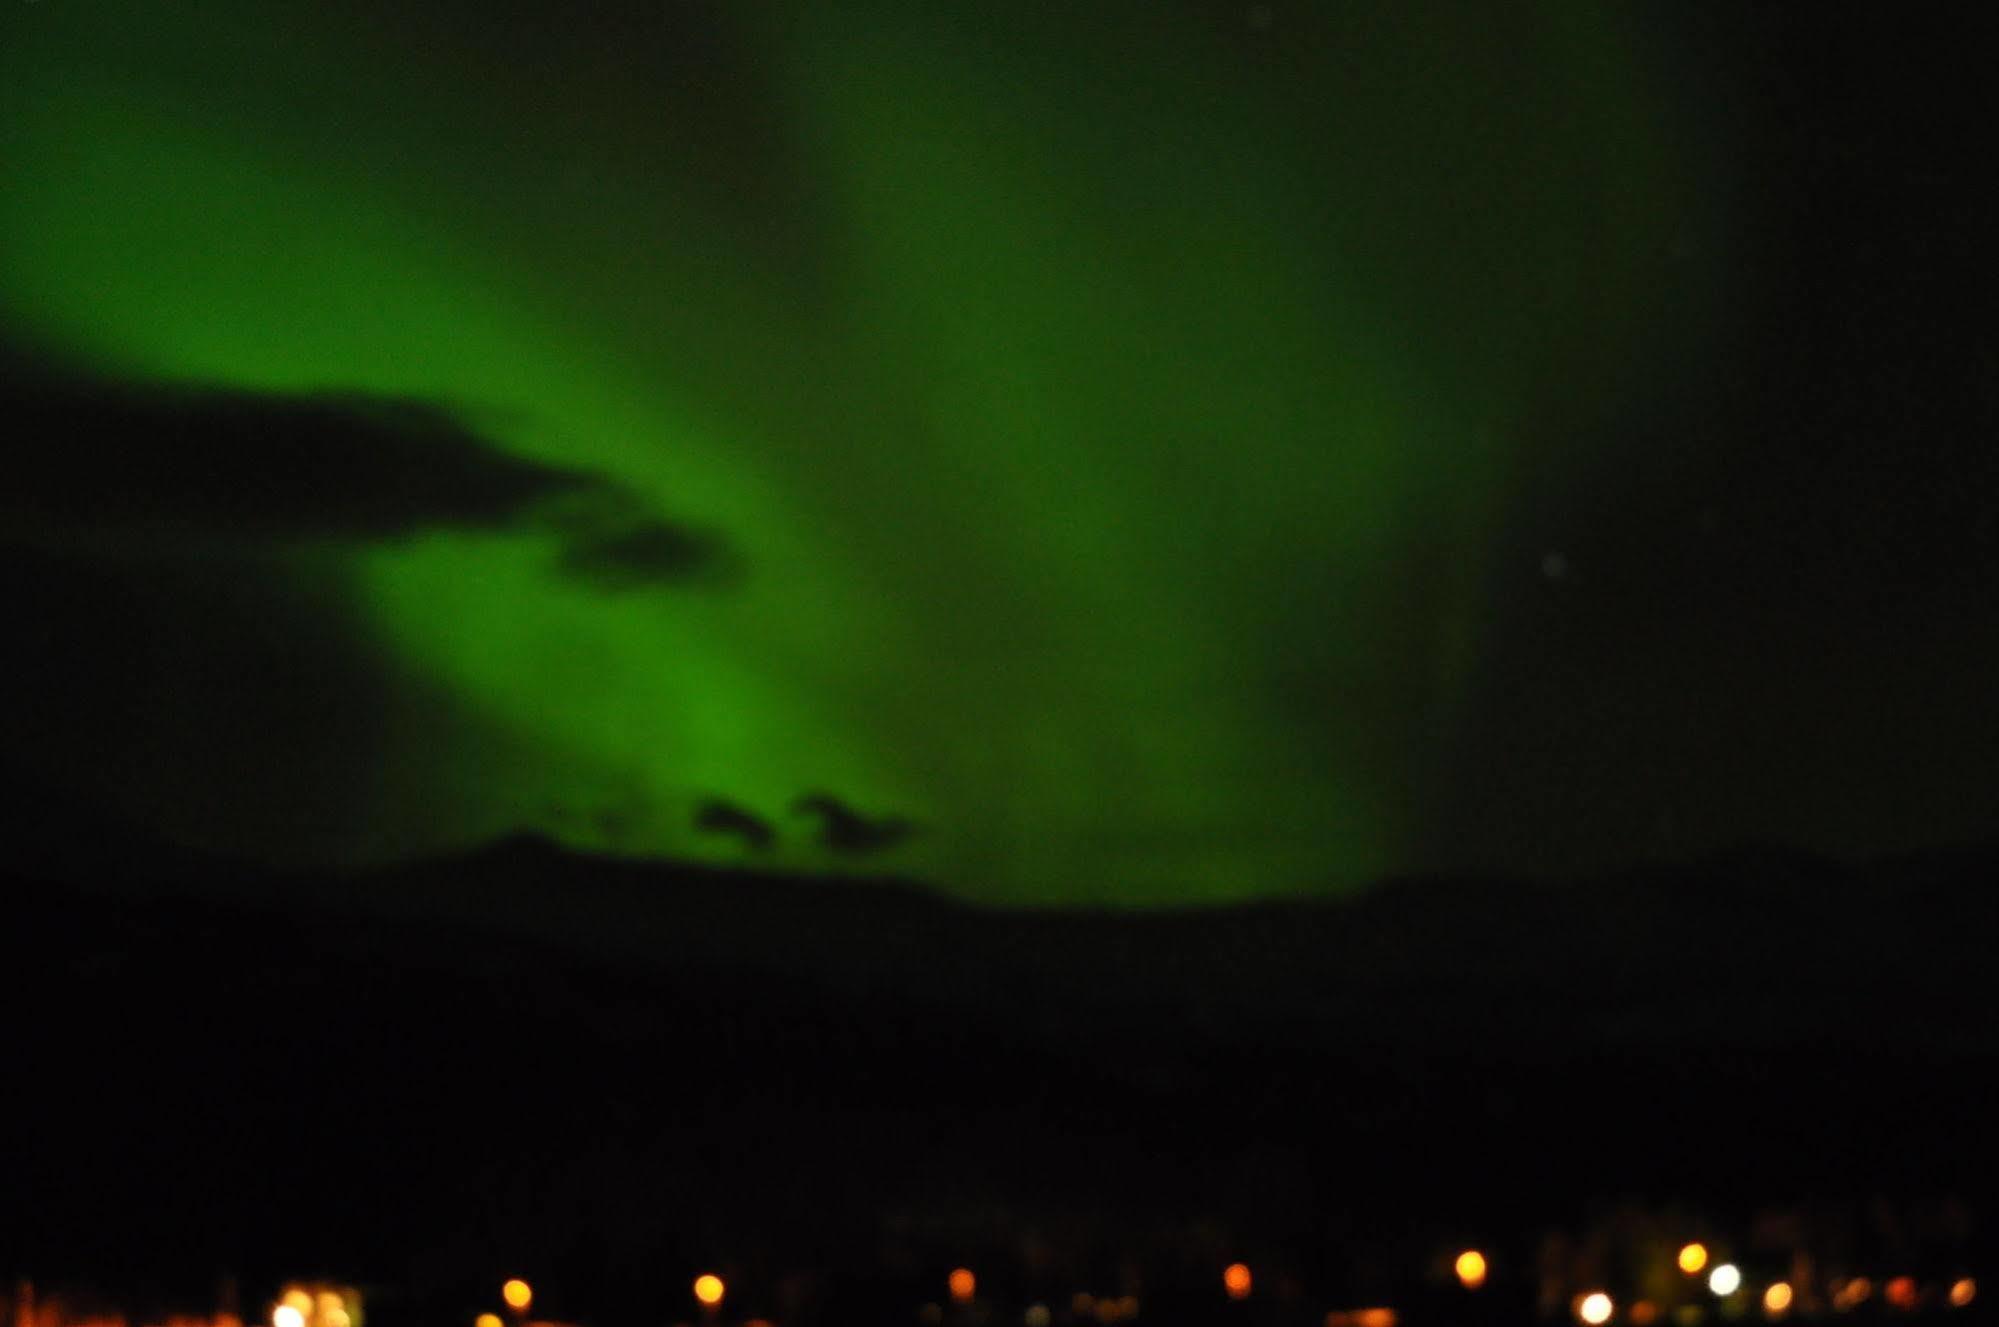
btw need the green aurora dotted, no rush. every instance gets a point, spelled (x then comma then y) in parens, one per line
(1116, 410)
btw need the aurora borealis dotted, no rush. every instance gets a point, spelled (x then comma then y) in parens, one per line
(1168, 452)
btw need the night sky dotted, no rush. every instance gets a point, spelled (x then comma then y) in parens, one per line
(1164, 451)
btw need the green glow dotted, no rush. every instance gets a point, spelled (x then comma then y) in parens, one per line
(1113, 431)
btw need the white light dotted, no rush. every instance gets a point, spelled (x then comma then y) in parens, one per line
(1725, 1279)
(1595, 1309)
(284, 1315)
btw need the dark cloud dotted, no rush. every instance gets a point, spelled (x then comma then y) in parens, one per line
(717, 816)
(97, 461)
(225, 699)
(186, 644)
(848, 832)
(645, 554)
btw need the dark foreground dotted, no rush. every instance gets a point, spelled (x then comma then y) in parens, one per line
(425, 1081)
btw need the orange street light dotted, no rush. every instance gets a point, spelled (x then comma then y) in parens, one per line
(1235, 1280)
(708, 1288)
(963, 1284)
(518, 1295)
(1470, 1268)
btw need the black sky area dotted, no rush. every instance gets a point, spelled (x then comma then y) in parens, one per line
(1774, 617)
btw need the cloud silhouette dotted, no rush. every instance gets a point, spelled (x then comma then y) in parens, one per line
(848, 832)
(97, 460)
(644, 554)
(716, 815)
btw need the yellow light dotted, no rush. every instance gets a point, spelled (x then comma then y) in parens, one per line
(1595, 1308)
(1962, 1292)
(1777, 1299)
(518, 1294)
(708, 1288)
(487, 1320)
(1725, 1279)
(327, 1303)
(1235, 1280)
(285, 1315)
(1470, 1268)
(296, 1298)
(963, 1284)
(337, 1316)
(1693, 1257)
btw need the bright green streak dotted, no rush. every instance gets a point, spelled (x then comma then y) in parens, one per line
(1135, 380)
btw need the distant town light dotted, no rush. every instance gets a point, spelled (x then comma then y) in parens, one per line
(1644, 1313)
(1235, 1280)
(286, 1315)
(1693, 1257)
(1901, 1292)
(1037, 1315)
(1470, 1268)
(1725, 1279)
(296, 1298)
(487, 1320)
(1962, 1292)
(518, 1294)
(1777, 1299)
(1595, 1308)
(708, 1288)
(963, 1284)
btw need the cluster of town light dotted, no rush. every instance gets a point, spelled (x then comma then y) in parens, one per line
(519, 1296)
(1594, 1308)
(316, 1306)
(303, 1307)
